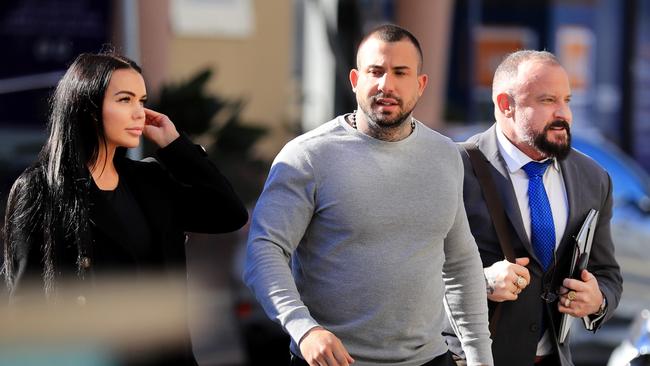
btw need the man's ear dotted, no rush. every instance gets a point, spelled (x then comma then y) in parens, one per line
(505, 104)
(354, 78)
(423, 79)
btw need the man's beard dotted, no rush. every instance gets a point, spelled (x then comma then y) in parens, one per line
(383, 121)
(558, 151)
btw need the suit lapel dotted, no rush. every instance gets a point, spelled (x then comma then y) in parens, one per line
(487, 143)
(570, 176)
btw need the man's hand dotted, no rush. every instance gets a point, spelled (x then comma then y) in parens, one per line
(505, 280)
(586, 296)
(320, 347)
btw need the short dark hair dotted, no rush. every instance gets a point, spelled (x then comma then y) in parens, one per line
(393, 33)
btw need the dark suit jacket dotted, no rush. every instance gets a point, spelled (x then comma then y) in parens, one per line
(186, 193)
(587, 186)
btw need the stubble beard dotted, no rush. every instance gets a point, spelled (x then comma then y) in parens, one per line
(380, 121)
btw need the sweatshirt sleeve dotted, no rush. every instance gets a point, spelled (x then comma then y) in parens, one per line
(280, 219)
(465, 299)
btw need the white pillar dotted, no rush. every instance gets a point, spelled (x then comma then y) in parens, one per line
(131, 44)
(318, 72)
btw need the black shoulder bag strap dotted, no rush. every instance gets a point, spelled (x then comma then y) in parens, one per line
(497, 213)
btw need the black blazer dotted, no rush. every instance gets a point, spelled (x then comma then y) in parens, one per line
(587, 186)
(185, 194)
(180, 192)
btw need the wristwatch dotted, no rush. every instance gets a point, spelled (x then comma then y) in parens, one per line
(602, 309)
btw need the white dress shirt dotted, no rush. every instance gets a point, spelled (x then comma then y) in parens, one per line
(555, 190)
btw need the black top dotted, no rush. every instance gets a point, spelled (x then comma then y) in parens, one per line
(133, 249)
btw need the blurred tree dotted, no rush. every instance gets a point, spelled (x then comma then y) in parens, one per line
(216, 123)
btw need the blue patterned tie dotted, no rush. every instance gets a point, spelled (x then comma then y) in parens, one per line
(541, 218)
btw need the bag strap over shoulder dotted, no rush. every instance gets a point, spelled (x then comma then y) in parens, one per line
(480, 166)
(481, 169)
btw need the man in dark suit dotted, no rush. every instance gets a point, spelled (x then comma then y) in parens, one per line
(546, 189)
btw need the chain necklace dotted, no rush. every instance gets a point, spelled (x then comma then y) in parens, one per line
(353, 121)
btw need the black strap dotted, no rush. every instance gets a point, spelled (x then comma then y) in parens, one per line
(481, 169)
(480, 166)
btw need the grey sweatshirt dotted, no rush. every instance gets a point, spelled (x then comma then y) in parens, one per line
(378, 244)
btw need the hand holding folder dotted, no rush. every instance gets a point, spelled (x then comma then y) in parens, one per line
(579, 262)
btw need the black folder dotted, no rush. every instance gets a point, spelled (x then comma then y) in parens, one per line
(579, 262)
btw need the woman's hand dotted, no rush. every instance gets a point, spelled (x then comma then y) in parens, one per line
(159, 128)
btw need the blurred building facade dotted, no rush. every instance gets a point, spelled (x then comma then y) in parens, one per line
(603, 44)
(289, 59)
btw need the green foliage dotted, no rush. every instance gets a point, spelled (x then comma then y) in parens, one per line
(232, 136)
(189, 106)
(217, 120)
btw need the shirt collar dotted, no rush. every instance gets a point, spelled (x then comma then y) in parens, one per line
(515, 158)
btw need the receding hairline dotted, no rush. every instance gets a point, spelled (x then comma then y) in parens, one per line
(391, 33)
(506, 74)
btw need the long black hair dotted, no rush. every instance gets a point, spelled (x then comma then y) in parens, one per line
(47, 208)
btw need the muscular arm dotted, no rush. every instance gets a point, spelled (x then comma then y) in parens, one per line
(280, 219)
(465, 287)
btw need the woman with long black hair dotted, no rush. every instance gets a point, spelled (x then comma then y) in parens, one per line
(84, 210)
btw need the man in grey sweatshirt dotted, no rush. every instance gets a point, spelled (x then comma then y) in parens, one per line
(360, 239)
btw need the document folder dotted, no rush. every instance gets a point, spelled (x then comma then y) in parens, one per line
(579, 262)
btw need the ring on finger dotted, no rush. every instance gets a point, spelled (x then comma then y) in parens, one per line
(567, 302)
(521, 282)
(571, 295)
